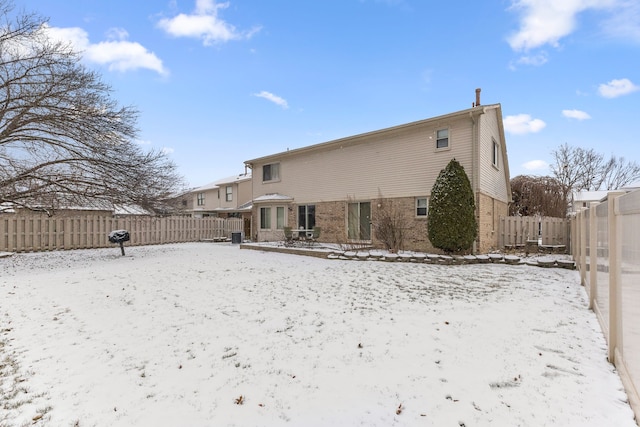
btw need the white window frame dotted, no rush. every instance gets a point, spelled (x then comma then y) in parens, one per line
(200, 199)
(281, 217)
(229, 193)
(426, 207)
(445, 139)
(265, 218)
(495, 155)
(274, 172)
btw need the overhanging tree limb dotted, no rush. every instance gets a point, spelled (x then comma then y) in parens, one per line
(61, 132)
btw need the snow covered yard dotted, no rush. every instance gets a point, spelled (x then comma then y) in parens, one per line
(207, 334)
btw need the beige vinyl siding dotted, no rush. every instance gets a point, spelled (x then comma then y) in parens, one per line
(397, 163)
(223, 196)
(210, 199)
(492, 180)
(244, 192)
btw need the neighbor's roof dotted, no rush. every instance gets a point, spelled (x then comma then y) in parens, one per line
(589, 196)
(228, 180)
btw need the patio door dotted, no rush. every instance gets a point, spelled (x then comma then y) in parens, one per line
(306, 217)
(359, 221)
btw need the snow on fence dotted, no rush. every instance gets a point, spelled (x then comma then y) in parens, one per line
(606, 248)
(516, 230)
(33, 233)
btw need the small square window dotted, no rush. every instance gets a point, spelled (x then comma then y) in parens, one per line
(271, 172)
(442, 138)
(422, 205)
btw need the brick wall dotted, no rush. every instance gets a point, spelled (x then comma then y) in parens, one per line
(489, 213)
(332, 218)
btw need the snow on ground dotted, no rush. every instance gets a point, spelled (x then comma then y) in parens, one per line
(206, 334)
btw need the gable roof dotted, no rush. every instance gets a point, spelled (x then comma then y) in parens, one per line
(228, 180)
(364, 137)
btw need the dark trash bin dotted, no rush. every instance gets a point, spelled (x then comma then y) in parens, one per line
(236, 238)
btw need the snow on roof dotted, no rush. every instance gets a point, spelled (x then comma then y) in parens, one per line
(589, 196)
(130, 210)
(272, 197)
(246, 206)
(234, 178)
(228, 180)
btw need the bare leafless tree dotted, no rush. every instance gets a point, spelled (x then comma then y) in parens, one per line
(537, 195)
(62, 135)
(578, 168)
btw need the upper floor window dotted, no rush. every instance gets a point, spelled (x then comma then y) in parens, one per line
(442, 138)
(422, 205)
(495, 154)
(229, 190)
(271, 172)
(200, 199)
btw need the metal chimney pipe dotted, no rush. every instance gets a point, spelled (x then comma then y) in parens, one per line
(478, 96)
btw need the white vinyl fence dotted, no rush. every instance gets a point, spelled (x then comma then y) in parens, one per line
(33, 233)
(606, 248)
(515, 231)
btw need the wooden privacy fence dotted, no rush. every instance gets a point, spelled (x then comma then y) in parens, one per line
(606, 248)
(33, 233)
(516, 230)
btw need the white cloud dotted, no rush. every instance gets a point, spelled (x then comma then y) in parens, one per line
(167, 150)
(535, 165)
(523, 123)
(273, 98)
(624, 22)
(117, 53)
(534, 60)
(616, 88)
(204, 24)
(77, 37)
(576, 114)
(545, 22)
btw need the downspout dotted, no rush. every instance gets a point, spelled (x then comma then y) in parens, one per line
(250, 166)
(475, 165)
(474, 180)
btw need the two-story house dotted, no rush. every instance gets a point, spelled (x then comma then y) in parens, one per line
(225, 198)
(340, 185)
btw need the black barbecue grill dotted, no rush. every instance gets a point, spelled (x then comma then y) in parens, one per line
(119, 236)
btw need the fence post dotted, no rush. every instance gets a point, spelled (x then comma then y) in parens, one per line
(615, 250)
(575, 238)
(593, 253)
(582, 250)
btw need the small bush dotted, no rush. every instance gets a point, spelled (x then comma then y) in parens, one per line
(389, 226)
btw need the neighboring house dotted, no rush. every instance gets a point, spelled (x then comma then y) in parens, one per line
(225, 198)
(582, 199)
(177, 205)
(341, 185)
(75, 205)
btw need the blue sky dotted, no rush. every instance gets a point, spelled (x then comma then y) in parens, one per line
(218, 83)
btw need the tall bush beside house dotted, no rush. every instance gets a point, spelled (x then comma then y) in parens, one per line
(451, 223)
